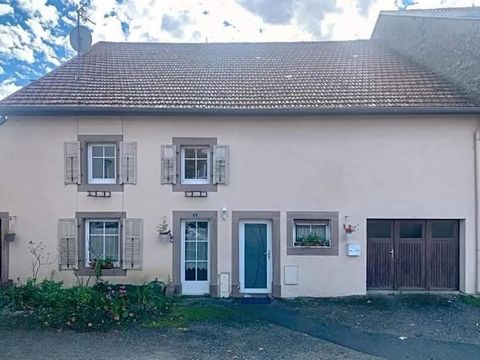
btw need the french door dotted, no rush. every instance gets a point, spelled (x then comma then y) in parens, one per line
(195, 257)
(255, 256)
(413, 254)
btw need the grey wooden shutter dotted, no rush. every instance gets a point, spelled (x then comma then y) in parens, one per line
(128, 162)
(220, 164)
(132, 244)
(72, 162)
(67, 244)
(169, 164)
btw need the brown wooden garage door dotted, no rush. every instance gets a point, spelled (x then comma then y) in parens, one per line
(412, 254)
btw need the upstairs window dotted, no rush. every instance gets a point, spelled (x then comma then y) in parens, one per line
(195, 164)
(102, 163)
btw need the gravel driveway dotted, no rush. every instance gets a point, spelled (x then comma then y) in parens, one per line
(443, 317)
(392, 327)
(200, 341)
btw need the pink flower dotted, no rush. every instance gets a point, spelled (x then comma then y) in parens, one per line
(349, 229)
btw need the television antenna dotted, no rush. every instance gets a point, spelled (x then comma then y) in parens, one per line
(81, 36)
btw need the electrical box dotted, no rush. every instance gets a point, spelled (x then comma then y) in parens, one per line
(353, 249)
(224, 285)
(290, 275)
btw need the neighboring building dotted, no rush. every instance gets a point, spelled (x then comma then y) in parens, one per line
(256, 155)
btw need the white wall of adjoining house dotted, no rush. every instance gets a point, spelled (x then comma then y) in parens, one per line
(363, 167)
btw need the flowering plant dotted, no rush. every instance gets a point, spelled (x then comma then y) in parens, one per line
(349, 228)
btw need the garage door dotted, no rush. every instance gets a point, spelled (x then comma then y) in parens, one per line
(412, 254)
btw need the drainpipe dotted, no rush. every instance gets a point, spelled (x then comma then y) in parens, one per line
(477, 208)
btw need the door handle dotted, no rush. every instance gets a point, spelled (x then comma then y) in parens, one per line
(268, 254)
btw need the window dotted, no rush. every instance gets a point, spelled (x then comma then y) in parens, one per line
(312, 233)
(102, 163)
(308, 233)
(195, 162)
(102, 241)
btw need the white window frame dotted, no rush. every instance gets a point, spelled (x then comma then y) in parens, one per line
(91, 179)
(328, 233)
(87, 240)
(182, 169)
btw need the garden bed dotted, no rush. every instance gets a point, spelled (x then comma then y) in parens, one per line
(49, 304)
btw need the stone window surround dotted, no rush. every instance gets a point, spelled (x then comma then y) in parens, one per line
(179, 142)
(5, 223)
(331, 216)
(177, 218)
(274, 216)
(81, 217)
(85, 140)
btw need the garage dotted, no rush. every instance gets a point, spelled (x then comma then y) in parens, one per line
(412, 254)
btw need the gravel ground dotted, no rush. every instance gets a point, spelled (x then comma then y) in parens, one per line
(441, 317)
(200, 341)
(241, 336)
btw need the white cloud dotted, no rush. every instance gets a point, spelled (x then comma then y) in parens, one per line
(46, 13)
(8, 87)
(5, 9)
(14, 42)
(2, 71)
(42, 36)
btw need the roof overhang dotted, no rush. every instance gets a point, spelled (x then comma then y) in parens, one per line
(13, 110)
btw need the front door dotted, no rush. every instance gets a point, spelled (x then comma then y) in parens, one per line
(255, 260)
(195, 259)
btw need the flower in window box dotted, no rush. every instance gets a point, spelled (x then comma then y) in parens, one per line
(106, 263)
(313, 239)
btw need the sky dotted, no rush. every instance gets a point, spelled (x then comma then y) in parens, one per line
(34, 33)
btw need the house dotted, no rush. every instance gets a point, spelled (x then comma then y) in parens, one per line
(254, 156)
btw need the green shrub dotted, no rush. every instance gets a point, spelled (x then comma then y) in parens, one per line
(101, 307)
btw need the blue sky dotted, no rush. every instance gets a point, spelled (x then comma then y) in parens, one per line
(34, 33)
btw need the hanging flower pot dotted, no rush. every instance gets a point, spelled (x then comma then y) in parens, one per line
(349, 231)
(165, 236)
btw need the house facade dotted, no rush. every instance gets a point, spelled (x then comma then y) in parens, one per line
(250, 159)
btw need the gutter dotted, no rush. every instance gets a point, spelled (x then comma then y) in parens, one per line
(38, 110)
(477, 209)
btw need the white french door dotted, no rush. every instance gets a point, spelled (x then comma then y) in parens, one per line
(195, 257)
(255, 252)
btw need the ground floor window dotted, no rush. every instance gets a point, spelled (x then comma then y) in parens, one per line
(102, 241)
(312, 233)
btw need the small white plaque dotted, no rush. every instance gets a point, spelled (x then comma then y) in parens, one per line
(291, 275)
(353, 249)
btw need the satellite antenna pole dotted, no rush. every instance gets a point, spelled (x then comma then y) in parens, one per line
(80, 36)
(78, 41)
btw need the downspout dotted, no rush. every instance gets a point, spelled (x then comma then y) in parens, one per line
(477, 209)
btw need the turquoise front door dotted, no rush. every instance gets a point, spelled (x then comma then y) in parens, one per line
(255, 256)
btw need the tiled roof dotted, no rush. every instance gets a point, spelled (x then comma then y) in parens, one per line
(239, 77)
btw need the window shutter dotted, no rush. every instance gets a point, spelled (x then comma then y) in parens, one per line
(72, 162)
(128, 162)
(220, 164)
(132, 244)
(67, 244)
(169, 168)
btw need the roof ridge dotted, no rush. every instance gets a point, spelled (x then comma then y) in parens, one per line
(230, 43)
